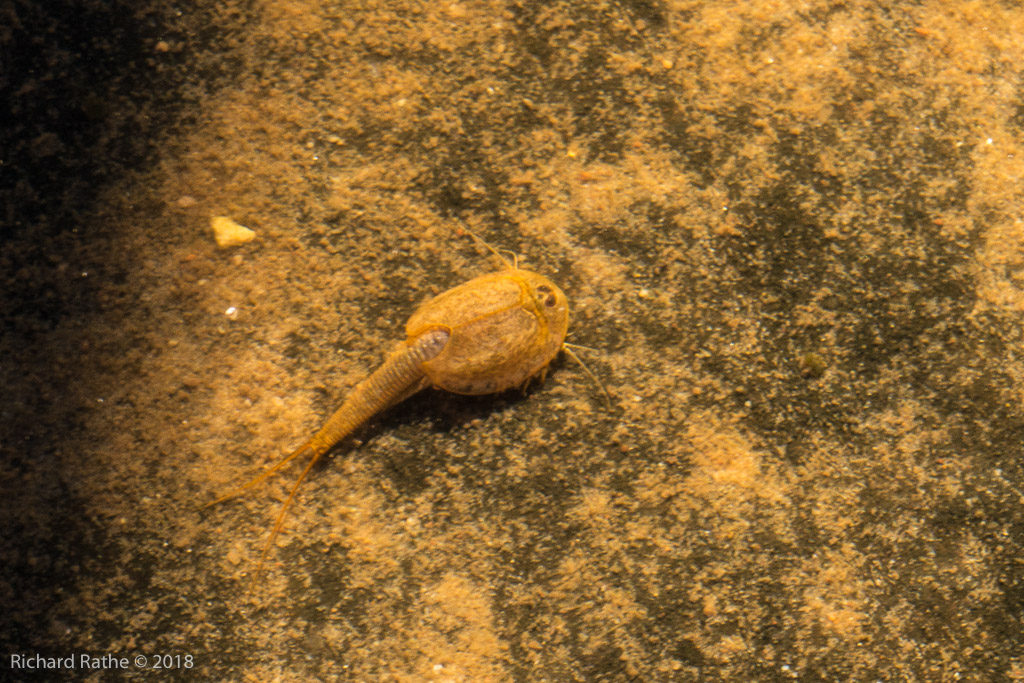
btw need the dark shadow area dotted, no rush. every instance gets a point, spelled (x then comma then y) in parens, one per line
(75, 77)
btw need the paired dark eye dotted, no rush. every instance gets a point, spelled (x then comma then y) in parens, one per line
(550, 299)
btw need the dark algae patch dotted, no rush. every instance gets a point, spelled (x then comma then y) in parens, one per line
(793, 232)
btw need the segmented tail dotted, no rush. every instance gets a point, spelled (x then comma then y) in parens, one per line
(398, 378)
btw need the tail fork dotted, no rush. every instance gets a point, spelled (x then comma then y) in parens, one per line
(314, 455)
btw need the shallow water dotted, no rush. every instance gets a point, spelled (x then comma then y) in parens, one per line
(794, 237)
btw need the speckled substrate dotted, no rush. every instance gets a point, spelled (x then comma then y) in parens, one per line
(794, 232)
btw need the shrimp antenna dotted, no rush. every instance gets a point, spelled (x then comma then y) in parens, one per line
(515, 257)
(568, 348)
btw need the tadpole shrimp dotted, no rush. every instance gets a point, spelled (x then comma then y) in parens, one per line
(492, 333)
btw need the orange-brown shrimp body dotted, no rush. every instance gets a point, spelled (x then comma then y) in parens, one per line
(492, 333)
(503, 328)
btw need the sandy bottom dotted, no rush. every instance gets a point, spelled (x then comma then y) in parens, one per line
(792, 233)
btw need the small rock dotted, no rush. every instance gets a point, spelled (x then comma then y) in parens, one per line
(229, 233)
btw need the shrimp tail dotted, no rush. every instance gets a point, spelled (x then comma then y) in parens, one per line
(262, 477)
(400, 376)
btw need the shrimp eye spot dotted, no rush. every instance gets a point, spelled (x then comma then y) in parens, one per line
(544, 289)
(550, 300)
